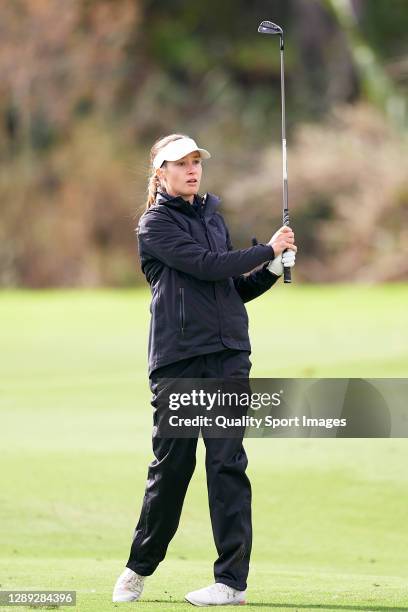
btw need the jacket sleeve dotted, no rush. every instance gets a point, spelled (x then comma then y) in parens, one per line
(160, 237)
(250, 286)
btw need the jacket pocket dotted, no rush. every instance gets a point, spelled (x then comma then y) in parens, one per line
(182, 314)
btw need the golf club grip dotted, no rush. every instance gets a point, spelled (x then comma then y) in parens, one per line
(287, 273)
(287, 276)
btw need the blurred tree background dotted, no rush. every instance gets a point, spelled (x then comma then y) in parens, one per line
(88, 85)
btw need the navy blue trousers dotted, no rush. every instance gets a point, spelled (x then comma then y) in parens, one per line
(229, 489)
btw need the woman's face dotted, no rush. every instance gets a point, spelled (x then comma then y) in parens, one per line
(182, 177)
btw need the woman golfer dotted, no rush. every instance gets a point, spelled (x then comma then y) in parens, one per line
(198, 329)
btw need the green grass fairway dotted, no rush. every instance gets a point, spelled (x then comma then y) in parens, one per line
(330, 515)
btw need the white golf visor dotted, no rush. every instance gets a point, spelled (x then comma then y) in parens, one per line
(178, 149)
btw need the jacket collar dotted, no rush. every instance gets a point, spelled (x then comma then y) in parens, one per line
(210, 201)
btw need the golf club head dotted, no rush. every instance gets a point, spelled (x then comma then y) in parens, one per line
(268, 27)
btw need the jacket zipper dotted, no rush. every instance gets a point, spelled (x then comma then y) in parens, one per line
(213, 284)
(182, 313)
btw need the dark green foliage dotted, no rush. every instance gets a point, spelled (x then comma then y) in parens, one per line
(384, 24)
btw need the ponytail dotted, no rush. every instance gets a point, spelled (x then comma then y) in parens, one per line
(152, 187)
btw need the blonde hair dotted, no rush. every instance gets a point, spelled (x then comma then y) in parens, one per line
(154, 181)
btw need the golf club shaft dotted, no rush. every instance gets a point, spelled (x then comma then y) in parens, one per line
(287, 277)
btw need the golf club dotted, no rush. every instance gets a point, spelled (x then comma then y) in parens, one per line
(267, 27)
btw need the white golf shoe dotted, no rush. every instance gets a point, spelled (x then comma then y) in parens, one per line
(128, 587)
(217, 594)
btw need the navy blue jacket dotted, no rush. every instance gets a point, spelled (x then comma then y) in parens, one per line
(197, 279)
